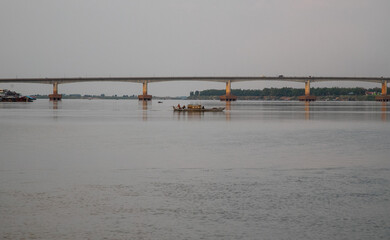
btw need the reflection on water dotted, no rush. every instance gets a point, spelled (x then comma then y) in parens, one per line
(227, 110)
(144, 109)
(307, 110)
(54, 104)
(234, 111)
(145, 104)
(188, 115)
(384, 111)
(228, 105)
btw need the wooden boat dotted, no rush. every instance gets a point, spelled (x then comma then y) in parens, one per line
(10, 96)
(197, 108)
(15, 99)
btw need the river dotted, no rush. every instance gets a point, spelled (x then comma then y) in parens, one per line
(123, 169)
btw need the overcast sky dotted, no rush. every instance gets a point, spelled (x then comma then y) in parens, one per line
(74, 38)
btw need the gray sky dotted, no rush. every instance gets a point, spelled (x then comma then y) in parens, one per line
(74, 38)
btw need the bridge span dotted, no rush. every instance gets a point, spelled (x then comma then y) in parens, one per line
(227, 79)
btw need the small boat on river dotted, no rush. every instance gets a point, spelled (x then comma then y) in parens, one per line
(196, 108)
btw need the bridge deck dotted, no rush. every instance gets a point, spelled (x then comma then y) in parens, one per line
(169, 79)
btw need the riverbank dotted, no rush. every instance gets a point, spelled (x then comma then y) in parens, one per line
(295, 98)
(262, 98)
(90, 97)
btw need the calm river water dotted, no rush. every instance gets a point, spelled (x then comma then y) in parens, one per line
(107, 169)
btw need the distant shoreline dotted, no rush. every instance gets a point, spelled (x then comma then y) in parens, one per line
(295, 98)
(88, 97)
(287, 93)
(240, 98)
(271, 94)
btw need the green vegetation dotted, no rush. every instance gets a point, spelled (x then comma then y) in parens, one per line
(292, 93)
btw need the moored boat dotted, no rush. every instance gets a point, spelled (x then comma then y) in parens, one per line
(10, 96)
(196, 108)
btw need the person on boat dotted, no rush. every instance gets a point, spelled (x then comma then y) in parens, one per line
(178, 106)
(184, 106)
(202, 107)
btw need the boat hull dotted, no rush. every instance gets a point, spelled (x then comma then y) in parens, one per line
(15, 99)
(220, 109)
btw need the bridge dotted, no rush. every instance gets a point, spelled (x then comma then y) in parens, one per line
(228, 80)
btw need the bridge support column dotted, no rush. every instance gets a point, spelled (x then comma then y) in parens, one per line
(228, 97)
(55, 96)
(145, 96)
(307, 97)
(384, 88)
(384, 97)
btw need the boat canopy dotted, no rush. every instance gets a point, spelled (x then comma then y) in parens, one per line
(191, 106)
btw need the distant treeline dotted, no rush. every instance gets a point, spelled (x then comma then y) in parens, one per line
(287, 92)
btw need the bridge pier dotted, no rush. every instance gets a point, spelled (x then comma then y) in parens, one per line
(55, 96)
(144, 96)
(384, 97)
(307, 97)
(228, 96)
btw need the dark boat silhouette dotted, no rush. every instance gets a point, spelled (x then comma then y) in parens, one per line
(196, 108)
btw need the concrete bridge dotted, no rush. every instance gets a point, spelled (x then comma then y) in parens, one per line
(228, 80)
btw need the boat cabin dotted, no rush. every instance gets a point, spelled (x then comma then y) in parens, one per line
(191, 106)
